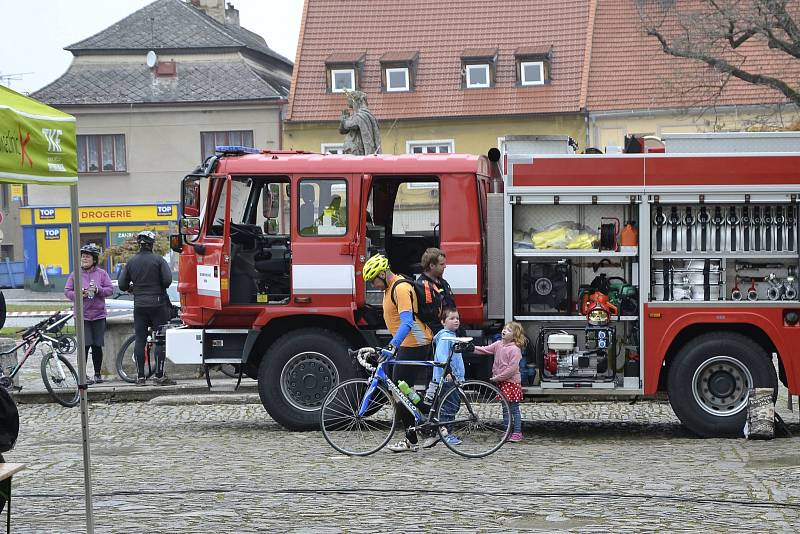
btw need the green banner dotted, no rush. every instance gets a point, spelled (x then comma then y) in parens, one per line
(37, 142)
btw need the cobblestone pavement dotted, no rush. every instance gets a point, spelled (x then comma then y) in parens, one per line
(175, 466)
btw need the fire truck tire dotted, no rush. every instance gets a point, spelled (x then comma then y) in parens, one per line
(298, 371)
(710, 379)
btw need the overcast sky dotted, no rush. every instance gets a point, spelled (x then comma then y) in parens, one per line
(36, 31)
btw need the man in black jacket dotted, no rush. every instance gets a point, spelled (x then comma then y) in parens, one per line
(434, 263)
(147, 276)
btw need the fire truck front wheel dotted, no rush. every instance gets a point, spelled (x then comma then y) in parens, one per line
(710, 379)
(298, 371)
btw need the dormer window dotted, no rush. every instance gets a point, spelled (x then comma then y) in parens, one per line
(533, 65)
(343, 80)
(343, 71)
(397, 79)
(398, 71)
(478, 68)
(531, 73)
(478, 76)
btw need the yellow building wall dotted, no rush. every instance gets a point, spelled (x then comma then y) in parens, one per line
(611, 130)
(469, 136)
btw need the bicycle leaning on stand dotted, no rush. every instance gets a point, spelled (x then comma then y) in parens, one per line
(58, 374)
(359, 416)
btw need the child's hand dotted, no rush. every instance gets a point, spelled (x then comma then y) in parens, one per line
(448, 378)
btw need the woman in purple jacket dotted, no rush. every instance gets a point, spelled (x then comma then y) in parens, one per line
(96, 286)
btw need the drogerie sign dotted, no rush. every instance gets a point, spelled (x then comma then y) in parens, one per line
(89, 214)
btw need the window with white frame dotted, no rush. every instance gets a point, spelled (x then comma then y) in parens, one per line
(477, 76)
(429, 147)
(209, 141)
(101, 153)
(397, 79)
(531, 73)
(332, 148)
(343, 80)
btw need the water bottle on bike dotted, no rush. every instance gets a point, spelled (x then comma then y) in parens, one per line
(409, 392)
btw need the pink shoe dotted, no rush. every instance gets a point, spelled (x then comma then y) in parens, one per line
(516, 437)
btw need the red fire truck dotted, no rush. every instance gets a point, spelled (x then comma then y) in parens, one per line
(693, 256)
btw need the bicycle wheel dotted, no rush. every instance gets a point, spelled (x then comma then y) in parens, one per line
(66, 344)
(471, 419)
(126, 361)
(355, 435)
(60, 379)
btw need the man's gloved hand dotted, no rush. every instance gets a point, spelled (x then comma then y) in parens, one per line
(388, 353)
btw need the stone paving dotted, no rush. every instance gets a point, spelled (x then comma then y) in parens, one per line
(171, 465)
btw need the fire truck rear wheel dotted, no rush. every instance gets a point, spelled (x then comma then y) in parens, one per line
(298, 371)
(710, 379)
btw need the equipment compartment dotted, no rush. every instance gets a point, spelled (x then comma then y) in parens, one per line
(568, 263)
(740, 252)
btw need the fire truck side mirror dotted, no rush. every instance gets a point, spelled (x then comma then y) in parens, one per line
(269, 204)
(190, 228)
(190, 199)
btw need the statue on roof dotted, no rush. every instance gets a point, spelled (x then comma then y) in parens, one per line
(359, 125)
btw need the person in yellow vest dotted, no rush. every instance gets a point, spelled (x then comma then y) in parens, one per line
(412, 338)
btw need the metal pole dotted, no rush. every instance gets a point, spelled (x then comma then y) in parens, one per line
(76, 270)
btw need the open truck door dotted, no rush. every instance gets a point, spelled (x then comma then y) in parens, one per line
(211, 257)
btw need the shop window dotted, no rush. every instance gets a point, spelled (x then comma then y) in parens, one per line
(210, 140)
(322, 207)
(101, 153)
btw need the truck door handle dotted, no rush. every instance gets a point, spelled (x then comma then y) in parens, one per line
(302, 300)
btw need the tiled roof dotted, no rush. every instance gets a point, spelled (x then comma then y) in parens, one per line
(172, 25)
(440, 31)
(127, 83)
(630, 71)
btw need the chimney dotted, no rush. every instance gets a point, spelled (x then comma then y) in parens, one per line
(231, 16)
(213, 8)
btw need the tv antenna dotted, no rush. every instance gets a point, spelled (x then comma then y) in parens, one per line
(6, 79)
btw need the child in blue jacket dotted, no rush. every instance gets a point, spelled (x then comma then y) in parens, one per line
(443, 342)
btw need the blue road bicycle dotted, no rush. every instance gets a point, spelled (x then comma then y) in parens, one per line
(359, 416)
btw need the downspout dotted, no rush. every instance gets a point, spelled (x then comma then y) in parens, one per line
(583, 103)
(586, 123)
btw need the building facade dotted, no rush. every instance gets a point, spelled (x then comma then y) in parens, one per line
(153, 95)
(461, 75)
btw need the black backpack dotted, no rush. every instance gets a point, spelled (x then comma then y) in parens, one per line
(9, 421)
(429, 300)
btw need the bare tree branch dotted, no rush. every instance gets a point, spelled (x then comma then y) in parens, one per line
(710, 31)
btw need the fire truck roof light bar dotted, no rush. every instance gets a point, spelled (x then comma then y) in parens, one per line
(236, 150)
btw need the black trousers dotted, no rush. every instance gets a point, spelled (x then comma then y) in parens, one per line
(411, 374)
(144, 318)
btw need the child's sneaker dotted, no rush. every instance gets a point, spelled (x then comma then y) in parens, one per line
(452, 440)
(403, 446)
(516, 437)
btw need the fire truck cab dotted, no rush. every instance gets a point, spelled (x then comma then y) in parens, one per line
(697, 301)
(272, 273)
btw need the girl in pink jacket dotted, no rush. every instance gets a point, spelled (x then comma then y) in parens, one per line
(505, 371)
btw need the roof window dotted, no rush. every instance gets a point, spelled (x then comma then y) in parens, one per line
(533, 65)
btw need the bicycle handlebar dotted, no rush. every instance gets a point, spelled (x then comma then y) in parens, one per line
(362, 354)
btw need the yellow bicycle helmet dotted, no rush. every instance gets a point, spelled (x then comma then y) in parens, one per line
(374, 266)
